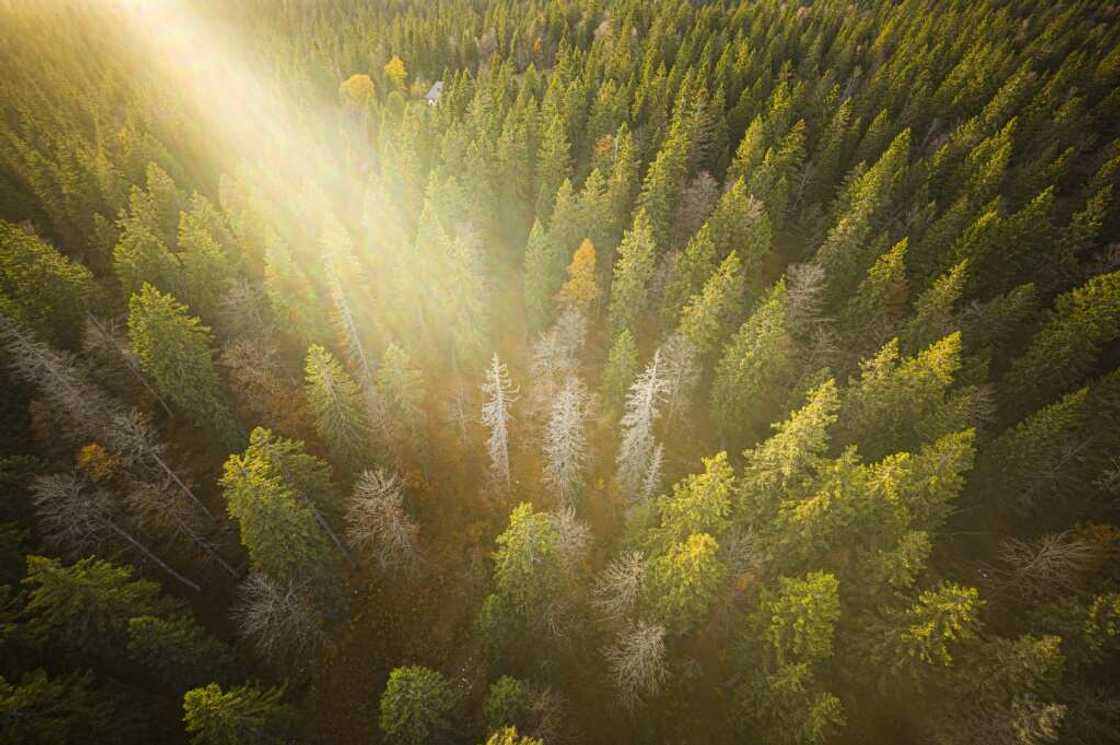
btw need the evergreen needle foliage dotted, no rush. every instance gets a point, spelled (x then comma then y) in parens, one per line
(547, 372)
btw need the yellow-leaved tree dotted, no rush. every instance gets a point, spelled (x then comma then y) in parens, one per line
(395, 71)
(357, 90)
(581, 290)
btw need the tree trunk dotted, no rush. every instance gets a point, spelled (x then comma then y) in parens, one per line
(144, 550)
(177, 480)
(132, 367)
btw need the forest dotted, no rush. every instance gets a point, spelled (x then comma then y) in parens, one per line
(560, 372)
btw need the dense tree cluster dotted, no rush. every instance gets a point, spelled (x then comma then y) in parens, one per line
(560, 372)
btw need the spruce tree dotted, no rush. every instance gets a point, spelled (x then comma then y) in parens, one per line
(686, 272)
(539, 280)
(753, 373)
(41, 287)
(339, 409)
(872, 315)
(898, 403)
(275, 493)
(174, 350)
(792, 630)
(177, 652)
(861, 210)
(633, 273)
(400, 384)
(207, 269)
(710, 315)
(739, 224)
(245, 713)
(1065, 349)
(683, 582)
(418, 706)
(85, 607)
(42, 710)
(934, 311)
(620, 370)
(553, 166)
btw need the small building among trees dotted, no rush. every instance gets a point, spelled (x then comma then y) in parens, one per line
(433, 94)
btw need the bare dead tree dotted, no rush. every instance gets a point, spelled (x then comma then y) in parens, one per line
(155, 506)
(378, 526)
(554, 358)
(131, 437)
(279, 619)
(805, 299)
(90, 413)
(638, 447)
(682, 372)
(637, 663)
(500, 395)
(1024, 720)
(651, 483)
(616, 590)
(458, 413)
(60, 379)
(565, 440)
(105, 336)
(573, 538)
(1055, 564)
(548, 714)
(255, 375)
(77, 519)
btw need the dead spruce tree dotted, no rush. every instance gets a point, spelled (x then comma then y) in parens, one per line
(378, 527)
(91, 415)
(651, 484)
(682, 373)
(61, 380)
(77, 519)
(565, 440)
(500, 394)
(637, 455)
(554, 357)
(106, 340)
(616, 591)
(637, 663)
(280, 619)
(571, 547)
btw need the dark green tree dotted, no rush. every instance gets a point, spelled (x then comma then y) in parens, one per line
(41, 710)
(86, 607)
(246, 713)
(177, 652)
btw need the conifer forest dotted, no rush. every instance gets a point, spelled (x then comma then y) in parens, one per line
(560, 372)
